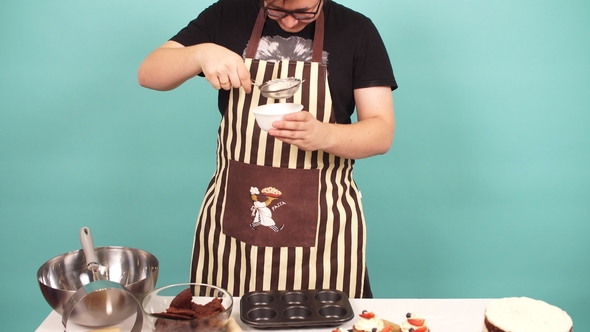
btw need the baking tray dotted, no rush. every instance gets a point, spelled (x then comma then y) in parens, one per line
(300, 308)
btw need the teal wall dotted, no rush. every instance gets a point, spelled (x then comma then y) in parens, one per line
(485, 192)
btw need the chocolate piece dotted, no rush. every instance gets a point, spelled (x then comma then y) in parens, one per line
(184, 300)
(181, 315)
(209, 309)
(172, 315)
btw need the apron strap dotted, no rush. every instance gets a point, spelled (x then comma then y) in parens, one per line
(318, 38)
(256, 34)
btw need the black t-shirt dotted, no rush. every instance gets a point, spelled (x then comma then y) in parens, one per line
(353, 49)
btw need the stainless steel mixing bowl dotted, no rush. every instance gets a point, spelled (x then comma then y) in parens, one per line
(60, 277)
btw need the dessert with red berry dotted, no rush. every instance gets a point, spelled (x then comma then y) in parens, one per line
(369, 322)
(414, 323)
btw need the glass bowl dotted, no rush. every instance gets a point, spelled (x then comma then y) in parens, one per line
(160, 317)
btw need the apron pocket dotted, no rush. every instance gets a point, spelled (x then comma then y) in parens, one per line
(271, 207)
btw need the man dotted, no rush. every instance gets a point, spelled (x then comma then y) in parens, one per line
(308, 156)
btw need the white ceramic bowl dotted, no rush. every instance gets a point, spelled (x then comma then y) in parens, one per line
(269, 113)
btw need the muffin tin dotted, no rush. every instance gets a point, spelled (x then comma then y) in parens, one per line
(303, 308)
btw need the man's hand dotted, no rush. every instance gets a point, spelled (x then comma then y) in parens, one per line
(223, 68)
(302, 130)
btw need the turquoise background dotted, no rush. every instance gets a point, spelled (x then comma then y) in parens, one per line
(485, 192)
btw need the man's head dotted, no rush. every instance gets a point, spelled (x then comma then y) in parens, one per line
(293, 15)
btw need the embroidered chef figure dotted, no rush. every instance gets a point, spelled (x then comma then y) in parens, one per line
(262, 214)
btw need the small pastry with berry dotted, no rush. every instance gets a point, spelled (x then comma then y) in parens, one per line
(414, 323)
(369, 322)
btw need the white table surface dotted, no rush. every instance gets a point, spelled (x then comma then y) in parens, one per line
(442, 315)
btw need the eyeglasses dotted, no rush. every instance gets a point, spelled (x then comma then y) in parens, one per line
(298, 15)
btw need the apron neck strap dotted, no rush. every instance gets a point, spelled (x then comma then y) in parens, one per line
(318, 38)
(256, 34)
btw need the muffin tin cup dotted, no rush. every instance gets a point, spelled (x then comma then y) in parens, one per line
(301, 308)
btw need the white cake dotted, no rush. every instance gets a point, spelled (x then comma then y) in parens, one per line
(522, 314)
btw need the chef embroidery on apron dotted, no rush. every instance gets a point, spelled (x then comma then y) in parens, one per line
(269, 206)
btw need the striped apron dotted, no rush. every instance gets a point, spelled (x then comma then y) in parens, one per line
(275, 217)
